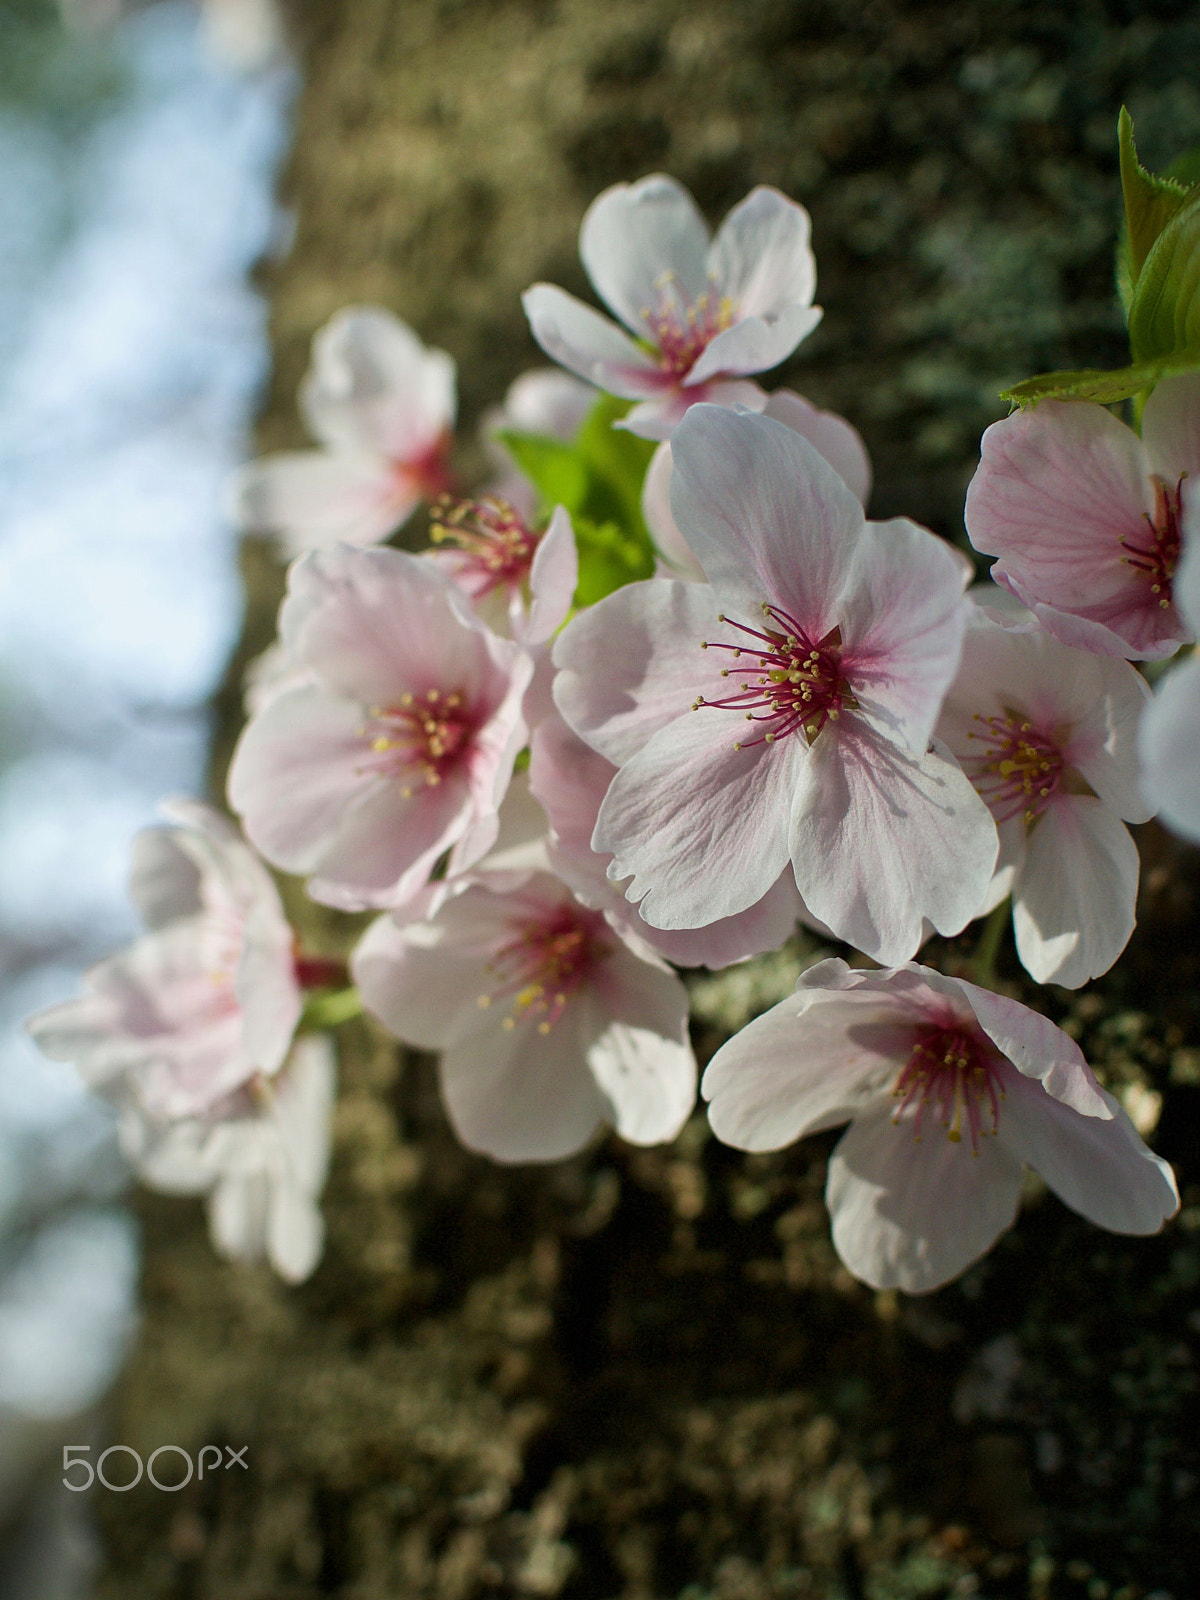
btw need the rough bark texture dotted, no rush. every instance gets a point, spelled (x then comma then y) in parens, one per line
(644, 1374)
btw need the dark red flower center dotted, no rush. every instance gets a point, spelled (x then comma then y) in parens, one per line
(498, 544)
(1017, 768)
(420, 738)
(953, 1075)
(681, 327)
(789, 683)
(1156, 552)
(544, 963)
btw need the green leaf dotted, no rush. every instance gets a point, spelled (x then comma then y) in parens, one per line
(1164, 314)
(598, 477)
(1150, 203)
(1102, 388)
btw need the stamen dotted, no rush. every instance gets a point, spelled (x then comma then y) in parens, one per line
(1158, 555)
(955, 1070)
(497, 543)
(1018, 768)
(791, 682)
(417, 742)
(681, 328)
(543, 964)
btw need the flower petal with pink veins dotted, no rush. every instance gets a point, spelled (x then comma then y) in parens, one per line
(837, 440)
(553, 576)
(699, 826)
(589, 344)
(309, 499)
(1171, 427)
(374, 386)
(1036, 1048)
(658, 418)
(1170, 749)
(912, 1215)
(632, 234)
(761, 257)
(880, 841)
(1073, 900)
(765, 515)
(754, 344)
(626, 668)
(1097, 1166)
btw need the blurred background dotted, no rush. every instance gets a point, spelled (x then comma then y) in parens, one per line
(640, 1373)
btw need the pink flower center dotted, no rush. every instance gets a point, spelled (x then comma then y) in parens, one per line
(499, 547)
(789, 683)
(681, 328)
(1018, 769)
(953, 1074)
(546, 961)
(427, 473)
(1156, 553)
(419, 739)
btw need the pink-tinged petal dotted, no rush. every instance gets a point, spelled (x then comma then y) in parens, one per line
(631, 235)
(658, 418)
(629, 665)
(1073, 901)
(1170, 750)
(881, 841)
(816, 1059)
(164, 881)
(641, 1058)
(590, 345)
(519, 1095)
(306, 745)
(902, 620)
(378, 623)
(309, 500)
(761, 257)
(765, 925)
(765, 515)
(1187, 578)
(373, 386)
(386, 845)
(1058, 488)
(656, 508)
(1037, 1049)
(837, 440)
(544, 401)
(1109, 627)
(1171, 428)
(1099, 1167)
(754, 344)
(911, 1214)
(700, 826)
(552, 579)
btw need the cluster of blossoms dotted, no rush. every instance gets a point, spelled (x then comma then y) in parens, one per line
(804, 716)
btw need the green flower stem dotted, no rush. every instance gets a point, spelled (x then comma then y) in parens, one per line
(982, 965)
(329, 1010)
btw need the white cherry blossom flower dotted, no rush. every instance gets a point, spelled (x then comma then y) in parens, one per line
(835, 438)
(550, 1024)
(950, 1091)
(1170, 731)
(402, 744)
(1047, 734)
(702, 313)
(382, 406)
(1085, 517)
(782, 713)
(207, 999)
(519, 578)
(260, 1157)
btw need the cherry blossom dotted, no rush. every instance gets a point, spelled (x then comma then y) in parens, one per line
(1047, 734)
(544, 401)
(835, 438)
(1170, 730)
(382, 406)
(550, 1023)
(207, 999)
(260, 1157)
(401, 745)
(520, 579)
(1085, 517)
(703, 313)
(950, 1091)
(783, 711)
(570, 781)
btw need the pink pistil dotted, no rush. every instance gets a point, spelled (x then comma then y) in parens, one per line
(429, 473)
(954, 1070)
(498, 545)
(1019, 768)
(1159, 555)
(681, 328)
(420, 738)
(791, 682)
(547, 960)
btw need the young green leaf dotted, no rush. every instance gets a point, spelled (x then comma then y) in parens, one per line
(1102, 388)
(1150, 203)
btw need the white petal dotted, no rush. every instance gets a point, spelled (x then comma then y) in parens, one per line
(881, 841)
(754, 344)
(912, 1215)
(634, 233)
(552, 579)
(761, 257)
(1171, 428)
(589, 344)
(1074, 898)
(838, 440)
(1099, 1167)
(1170, 748)
(310, 499)
(641, 1058)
